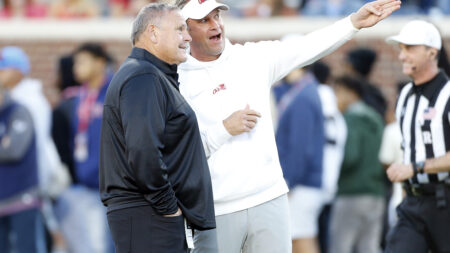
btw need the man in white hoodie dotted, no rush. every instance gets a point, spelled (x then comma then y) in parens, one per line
(228, 87)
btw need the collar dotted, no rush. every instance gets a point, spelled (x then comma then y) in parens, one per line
(431, 87)
(194, 64)
(168, 69)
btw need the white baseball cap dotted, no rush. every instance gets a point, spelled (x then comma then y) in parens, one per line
(198, 9)
(418, 32)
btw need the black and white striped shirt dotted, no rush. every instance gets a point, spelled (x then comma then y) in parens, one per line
(424, 115)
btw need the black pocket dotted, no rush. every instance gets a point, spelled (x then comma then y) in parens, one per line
(121, 227)
(170, 219)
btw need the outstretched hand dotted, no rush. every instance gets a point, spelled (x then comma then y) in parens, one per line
(372, 13)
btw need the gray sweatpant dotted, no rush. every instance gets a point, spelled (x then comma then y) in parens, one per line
(356, 224)
(261, 229)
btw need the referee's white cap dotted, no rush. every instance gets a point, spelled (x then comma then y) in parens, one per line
(198, 9)
(418, 32)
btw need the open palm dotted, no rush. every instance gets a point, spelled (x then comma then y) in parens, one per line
(372, 13)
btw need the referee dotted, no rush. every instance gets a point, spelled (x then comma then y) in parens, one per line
(423, 112)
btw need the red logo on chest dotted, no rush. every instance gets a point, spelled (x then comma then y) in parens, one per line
(201, 1)
(219, 88)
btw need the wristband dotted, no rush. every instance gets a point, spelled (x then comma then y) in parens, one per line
(420, 167)
(414, 167)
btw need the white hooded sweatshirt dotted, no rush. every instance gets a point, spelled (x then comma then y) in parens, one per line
(245, 169)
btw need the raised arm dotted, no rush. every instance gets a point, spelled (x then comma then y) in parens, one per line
(300, 51)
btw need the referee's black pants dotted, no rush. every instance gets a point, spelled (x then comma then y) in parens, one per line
(421, 226)
(141, 230)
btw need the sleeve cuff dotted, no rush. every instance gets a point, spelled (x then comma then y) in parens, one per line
(219, 134)
(166, 204)
(348, 22)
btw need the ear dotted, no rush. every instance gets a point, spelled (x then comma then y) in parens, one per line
(432, 53)
(188, 21)
(153, 33)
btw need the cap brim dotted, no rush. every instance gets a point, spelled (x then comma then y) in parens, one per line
(5, 65)
(398, 39)
(200, 13)
(392, 40)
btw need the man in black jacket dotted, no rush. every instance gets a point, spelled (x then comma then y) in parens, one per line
(153, 169)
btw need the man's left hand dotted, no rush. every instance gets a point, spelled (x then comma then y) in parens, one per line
(371, 13)
(400, 172)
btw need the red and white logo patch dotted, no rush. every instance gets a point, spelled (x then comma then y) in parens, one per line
(219, 88)
(201, 1)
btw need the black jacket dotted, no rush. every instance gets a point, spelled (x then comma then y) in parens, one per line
(151, 152)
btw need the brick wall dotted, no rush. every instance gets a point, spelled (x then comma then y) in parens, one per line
(387, 71)
(44, 57)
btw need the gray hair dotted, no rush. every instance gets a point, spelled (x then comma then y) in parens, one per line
(181, 3)
(149, 14)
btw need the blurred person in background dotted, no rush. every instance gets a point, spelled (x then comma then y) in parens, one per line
(444, 62)
(300, 139)
(357, 215)
(66, 78)
(333, 154)
(391, 152)
(259, 8)
(418, 7)
(359, 63)
(77, 133)
(24, 9)
(67, 9)
(444, 7)
(425, 6)
(228, 86)
(132, 6)
(65, 84)
(423, 112)
(250, 8)
(67, 87)
(336, 8)
(104, 8)
(21, 224)
(335, 132)
(119, 8)
(53, 176)
(330, 8)
(290, 7)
